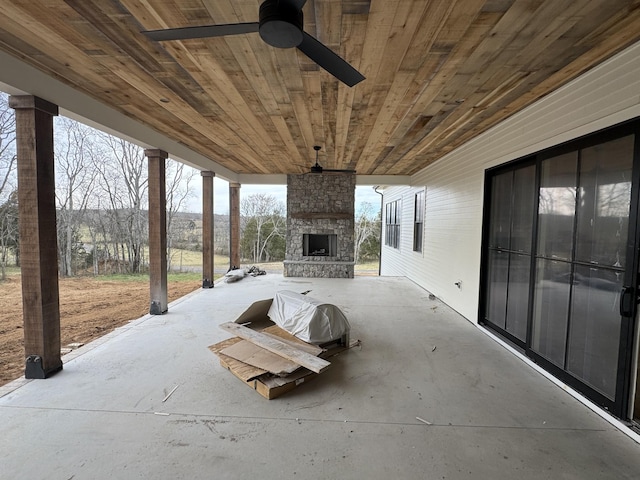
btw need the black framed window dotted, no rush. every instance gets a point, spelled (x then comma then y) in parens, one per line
(392, 224)
(418, 221)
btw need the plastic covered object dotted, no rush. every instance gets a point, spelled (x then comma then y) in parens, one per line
(307, 318)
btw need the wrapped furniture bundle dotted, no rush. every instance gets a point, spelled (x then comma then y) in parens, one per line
(309, 319)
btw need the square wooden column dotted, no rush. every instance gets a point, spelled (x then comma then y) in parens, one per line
(157, 231)
(38, 239)
(207, 229)
(234, 225)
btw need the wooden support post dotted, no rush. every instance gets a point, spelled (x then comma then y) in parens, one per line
(234, 225)
(38, 240)
(157, 231)
(207, 229)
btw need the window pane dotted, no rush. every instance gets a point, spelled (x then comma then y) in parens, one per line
(551, 309)
(524, 198)
(500, 221)
(417, 237)
(518, 296)
(418, 219)
(556, 210)
(498, 269)
(605, 195)
(595, 328)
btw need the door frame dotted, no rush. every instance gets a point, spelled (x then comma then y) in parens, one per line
(627, 366)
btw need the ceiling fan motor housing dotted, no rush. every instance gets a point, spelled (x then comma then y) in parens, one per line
(280, 24)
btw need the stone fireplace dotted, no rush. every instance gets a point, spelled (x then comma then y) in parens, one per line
(320, 223)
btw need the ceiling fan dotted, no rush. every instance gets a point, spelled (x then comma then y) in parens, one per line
(317, 168)
(280, 25)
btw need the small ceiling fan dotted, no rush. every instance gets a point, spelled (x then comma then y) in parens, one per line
(317, 168)
(280, 25)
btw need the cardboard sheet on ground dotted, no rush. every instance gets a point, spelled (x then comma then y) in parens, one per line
(307, 318)
(275, 345)
(256, 356)
(240, 369)
(246, 370)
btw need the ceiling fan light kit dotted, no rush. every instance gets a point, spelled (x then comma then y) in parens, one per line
(281, 26)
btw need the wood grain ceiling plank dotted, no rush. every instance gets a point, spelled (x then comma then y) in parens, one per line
(367, 97)
(201, 144)
(224, 91)
(122, 31)
(218, 132)
(359, 128)
(499, 81)
(497, 111)
(328, 23)
(504, 35)
(353, 33)
(303, 118)
(426, 59)
(59, 57)
(289, 144)
(406, 21)
(221, 89)
(467, 65)
(379, 135)
(231, 11)
(329, 95)
(316, 106)
(148, 14)
(461, 28)
(41, 36)
(343, 121)
(116, 66)
(289, 117)
(103, 78)
(432, 22)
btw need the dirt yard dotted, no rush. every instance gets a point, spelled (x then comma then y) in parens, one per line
(89, 308)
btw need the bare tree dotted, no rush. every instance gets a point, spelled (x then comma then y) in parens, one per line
(179, 182)
(365, 226)
(8, 232)
(75, 178)
(262, 221)
(8, 184)
(123, 173)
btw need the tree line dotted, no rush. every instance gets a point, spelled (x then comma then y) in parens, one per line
(101, 196)
(101, 207)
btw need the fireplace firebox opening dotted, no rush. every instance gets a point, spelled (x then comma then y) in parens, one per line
(318, 245)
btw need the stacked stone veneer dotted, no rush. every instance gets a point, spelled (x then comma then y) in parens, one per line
(320, 204)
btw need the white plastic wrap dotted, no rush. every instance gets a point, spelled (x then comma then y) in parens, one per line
(307, 318)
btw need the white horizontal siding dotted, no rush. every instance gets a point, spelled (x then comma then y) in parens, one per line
(604, 96)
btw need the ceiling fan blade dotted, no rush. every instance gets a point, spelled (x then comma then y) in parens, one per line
(329, 60)
(204, 31)
(337, 170)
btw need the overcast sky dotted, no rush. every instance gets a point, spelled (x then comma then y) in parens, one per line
(221, 195)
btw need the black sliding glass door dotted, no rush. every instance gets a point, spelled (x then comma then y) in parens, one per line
(559, 262)
(509, 262)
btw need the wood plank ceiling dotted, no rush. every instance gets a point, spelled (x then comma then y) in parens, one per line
(438, 72)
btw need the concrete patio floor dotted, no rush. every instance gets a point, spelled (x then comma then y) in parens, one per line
(490, 414)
